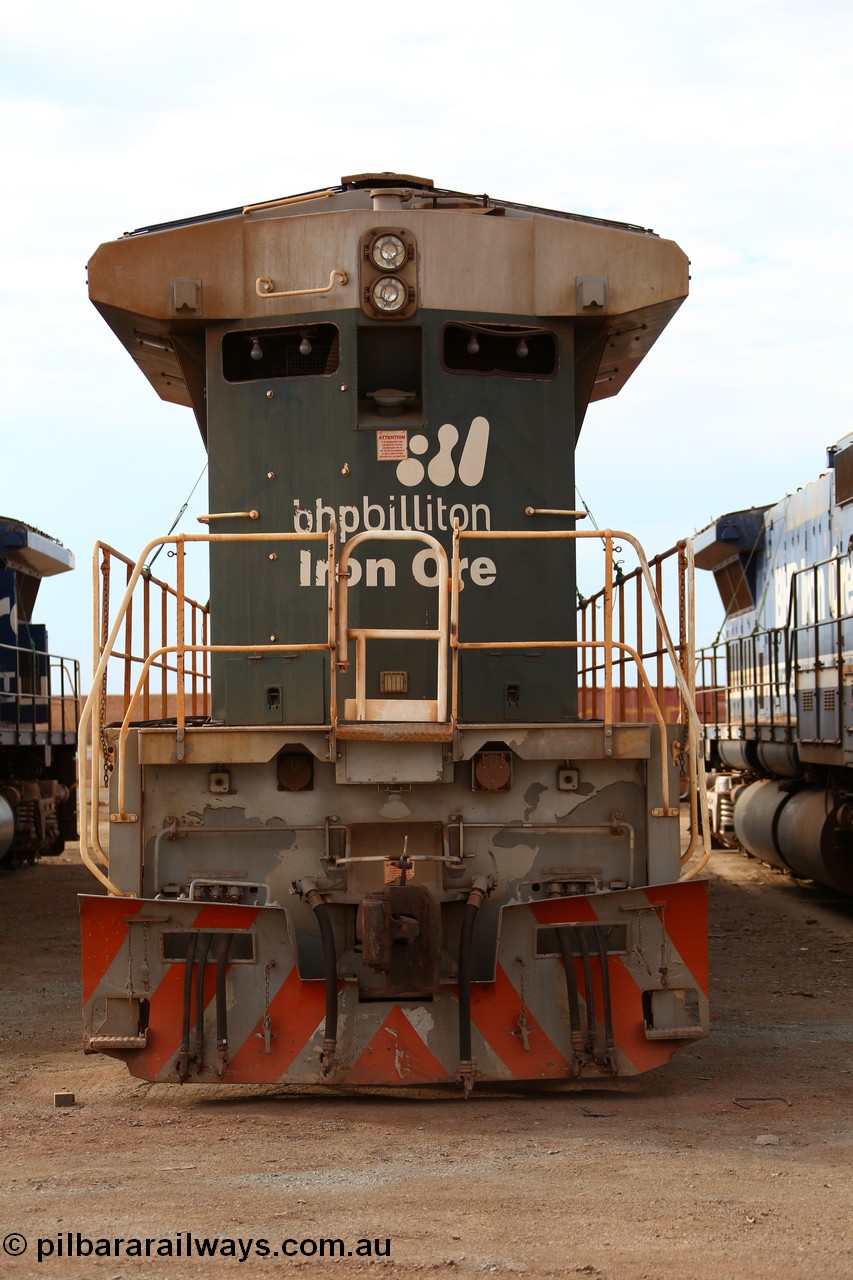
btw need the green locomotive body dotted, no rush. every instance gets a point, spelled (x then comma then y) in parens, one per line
(388, 819)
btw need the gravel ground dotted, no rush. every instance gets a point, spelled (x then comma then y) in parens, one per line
(735, 1161)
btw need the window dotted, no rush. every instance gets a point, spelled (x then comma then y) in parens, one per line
(734, 589)
(844, 475)
(307, 351)
(511, 350)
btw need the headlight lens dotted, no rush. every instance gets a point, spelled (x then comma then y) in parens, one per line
(389, 294)
(388, 252)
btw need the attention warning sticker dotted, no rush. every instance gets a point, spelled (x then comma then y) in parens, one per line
(392, 446)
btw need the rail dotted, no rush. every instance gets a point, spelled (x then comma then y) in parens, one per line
(745, 683)
(39, 696)
(625, 605)
(606, 657)
(106, 638)
(165, 610)
(383, 710)
(759, 683)
(680, 659)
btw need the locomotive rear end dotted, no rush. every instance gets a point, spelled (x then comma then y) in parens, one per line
(39, 705)
(391, 811)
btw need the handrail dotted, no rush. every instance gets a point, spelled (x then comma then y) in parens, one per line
(438, 633)
(608, 537)
(91, 851)
(284, 200)
(446, 635)
(44, 703)
(121, 814)
(264, 286)
(683, 681)
(667, 810)
(742, 681)
(102, 558)
(695, 747)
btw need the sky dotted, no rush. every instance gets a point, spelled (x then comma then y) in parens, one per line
(725, 126)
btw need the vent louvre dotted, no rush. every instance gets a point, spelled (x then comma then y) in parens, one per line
(393, 682)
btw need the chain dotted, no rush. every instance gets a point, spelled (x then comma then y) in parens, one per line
(267, 1024)
(128, 986)
(664, 961)
(523, 1031)
(146, 971)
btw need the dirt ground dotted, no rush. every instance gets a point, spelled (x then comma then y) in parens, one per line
(735, 1161)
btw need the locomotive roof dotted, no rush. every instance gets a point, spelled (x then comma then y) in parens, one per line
(744, 531)
(365, 183)
(160, 286)
(30, 551)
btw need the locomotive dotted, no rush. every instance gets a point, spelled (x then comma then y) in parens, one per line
(391, 808)
(776, 687)
(39, 704)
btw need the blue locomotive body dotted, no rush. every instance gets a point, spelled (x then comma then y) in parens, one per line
(778, 698)
(39, 696)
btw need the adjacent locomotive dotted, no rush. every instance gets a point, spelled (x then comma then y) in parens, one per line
(392, 811)
(39, 704)
(778, 702)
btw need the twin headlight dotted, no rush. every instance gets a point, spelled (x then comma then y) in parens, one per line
(389, 274)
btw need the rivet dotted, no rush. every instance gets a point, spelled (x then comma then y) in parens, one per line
(273, 638)
(270, 395)
(273, 555)
(344, 387)
(270, 475)
(345, 469)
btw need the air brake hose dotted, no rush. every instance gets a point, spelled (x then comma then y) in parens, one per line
(184, 1047)
(201, 965)
(465, 944)
(312, 895)
(330, 971)
(223, 946)
(565, 937)
(476, 897)
(605, 990)
(588, 996)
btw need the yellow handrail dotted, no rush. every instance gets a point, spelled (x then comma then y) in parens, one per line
(446, 635)
(264, 286)
(91, 851)
(361, 634)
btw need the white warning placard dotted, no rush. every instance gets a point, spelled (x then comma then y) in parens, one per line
(392, 446)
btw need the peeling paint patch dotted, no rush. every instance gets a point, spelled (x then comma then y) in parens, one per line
(513, 839)
(421, 1020)
(532, 797)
